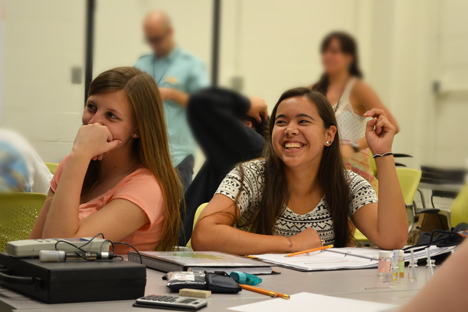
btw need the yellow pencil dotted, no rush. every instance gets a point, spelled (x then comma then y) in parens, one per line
(309, 250)
(265, 292)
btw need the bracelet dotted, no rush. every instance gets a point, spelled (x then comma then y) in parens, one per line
(382, 155)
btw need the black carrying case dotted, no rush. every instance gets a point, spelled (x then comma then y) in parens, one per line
(73, 281)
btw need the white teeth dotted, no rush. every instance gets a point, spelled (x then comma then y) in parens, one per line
(291, 145)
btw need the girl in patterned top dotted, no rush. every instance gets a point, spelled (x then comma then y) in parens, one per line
(300, 196)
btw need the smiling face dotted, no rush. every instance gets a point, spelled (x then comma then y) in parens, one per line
(112, 110)
(333, 58)
(299, 135)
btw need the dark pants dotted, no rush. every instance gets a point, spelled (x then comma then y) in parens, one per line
(185, 171)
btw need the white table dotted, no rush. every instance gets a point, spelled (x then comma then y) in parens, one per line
(352, 284)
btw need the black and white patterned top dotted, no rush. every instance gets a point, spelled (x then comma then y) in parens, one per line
(291, 223)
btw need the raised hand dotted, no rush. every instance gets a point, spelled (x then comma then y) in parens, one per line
(258, 109)
(93, 141)
(379, 132)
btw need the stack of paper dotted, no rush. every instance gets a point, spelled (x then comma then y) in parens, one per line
(341, 258)
(313, 302)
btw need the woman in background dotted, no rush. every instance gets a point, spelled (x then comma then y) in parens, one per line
(350, 98)
(118, 179)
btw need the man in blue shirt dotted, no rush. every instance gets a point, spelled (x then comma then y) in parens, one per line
(177, 74)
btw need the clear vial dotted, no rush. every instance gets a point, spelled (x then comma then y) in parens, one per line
(430, 269)
(384, 268)
(413, 271)
(401, 264)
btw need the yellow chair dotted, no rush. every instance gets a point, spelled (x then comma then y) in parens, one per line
(52, 167)
(195, 219)
(373, 165)
(409, 181)
(459, 208)
(18, 212)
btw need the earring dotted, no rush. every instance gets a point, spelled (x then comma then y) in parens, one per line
(135, 135)
(329, 142)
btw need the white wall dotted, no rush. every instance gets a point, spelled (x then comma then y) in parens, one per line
(271, 44)
(43, 40)
(451, 108)
(119, 40)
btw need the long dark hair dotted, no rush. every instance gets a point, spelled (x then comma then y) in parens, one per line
(348, 46)
(331, 176)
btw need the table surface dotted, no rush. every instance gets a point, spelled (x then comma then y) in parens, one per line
(351, 284)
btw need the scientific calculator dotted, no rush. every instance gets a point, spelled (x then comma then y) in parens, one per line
(172, 302)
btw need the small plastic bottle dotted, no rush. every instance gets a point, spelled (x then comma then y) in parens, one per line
(413, 271)
(401, 264)
(384, 268)
(430, 269)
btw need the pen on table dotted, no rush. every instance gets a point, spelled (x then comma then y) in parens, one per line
(309, 250)
(270, 293)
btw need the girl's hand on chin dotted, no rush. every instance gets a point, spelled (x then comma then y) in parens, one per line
(93, 141)
(379, 132)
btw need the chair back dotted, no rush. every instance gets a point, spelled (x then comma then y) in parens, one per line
(195, 219)
(373, 165)
(409, 182)
(18, 212)
(52, 167)
(459, 208)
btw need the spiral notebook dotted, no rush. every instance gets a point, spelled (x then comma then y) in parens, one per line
(340, 258)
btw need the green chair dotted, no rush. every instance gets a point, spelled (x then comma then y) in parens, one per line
(195, 219)
(409, 181)
(18, 212)
(52, 167)
(459, 208)
(373, 165)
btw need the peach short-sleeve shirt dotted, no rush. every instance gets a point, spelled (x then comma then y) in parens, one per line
(140, 188)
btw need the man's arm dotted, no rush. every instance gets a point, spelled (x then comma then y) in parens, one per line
(177, 96)
(213, 115)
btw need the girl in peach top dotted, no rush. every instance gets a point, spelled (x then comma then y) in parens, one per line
(118, 179)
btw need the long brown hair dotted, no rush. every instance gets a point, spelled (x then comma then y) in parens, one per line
(348, 46)
(331, 176)
(152, 147)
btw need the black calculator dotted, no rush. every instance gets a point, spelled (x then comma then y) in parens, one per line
(172, 302)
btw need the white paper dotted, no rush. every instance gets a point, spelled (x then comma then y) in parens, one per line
(326, 260)
(313, 302)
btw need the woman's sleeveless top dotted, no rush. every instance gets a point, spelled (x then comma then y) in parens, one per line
(352, 127)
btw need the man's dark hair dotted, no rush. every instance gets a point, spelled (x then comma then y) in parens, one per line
(260, 127)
